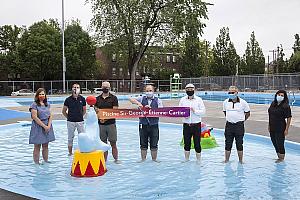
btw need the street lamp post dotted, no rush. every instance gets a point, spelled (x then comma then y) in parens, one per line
(63, 48)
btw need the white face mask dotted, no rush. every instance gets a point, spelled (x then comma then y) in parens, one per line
(76, 91)
(279, 98)
(149, 94)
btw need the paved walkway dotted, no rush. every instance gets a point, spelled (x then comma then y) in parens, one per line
(257, 124)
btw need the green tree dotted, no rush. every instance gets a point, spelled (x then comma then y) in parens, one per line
(9, 39)
(281, 64)
(225, 56)
(191, 66)
(253, 59)
(40, 51)
(294, 62)
(80, 53)
(297, 43)
(143, 23)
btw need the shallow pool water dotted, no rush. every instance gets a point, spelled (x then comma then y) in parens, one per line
(258, 178)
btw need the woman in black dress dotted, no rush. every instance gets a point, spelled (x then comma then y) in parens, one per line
(279, 122)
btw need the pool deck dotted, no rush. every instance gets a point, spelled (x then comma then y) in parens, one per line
(256, 124)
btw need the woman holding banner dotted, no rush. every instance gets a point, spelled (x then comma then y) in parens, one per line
(148, 127)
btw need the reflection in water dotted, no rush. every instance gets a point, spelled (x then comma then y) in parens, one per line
(233, 181)
(44, 177)
(279, 183)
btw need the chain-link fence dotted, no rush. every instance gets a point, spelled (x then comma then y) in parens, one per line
(245, 83)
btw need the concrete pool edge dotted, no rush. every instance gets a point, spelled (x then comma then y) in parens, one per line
(23, 192)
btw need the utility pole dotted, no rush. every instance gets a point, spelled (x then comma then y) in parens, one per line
(206, 58)
(63, 48)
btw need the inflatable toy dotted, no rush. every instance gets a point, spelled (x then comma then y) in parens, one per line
(89, 158)
(207, 140)
(91, 100)
(88, 164)
(89, 141)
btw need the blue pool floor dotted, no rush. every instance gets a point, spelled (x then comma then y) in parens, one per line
(258, 178)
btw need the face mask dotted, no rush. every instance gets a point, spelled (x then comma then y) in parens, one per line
(190, 93)
(279, 98)
(232, 96)
(105, 90)
(149, 94)
(42, 98)
(76, 90)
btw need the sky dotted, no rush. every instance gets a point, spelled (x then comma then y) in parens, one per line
(273, 21)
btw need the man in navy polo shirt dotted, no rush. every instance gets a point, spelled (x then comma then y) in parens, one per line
(74, 109)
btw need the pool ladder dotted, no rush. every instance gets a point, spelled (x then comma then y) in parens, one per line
(294, 98)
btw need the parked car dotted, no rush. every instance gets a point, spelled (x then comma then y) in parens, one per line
(97, 90)
(85, 91)
(53, 91)
(23, 92)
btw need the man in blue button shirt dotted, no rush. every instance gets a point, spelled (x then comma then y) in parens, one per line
(149, 130)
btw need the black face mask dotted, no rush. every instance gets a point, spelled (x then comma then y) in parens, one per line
(190, 93)
(105, 90)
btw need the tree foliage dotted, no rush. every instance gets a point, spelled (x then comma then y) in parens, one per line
(297, 43)
(40, 50)
(225, 56)
(253, 61)
(191, 66)
(9, 40)
(294, 63)
(80, 53)
(143, 23)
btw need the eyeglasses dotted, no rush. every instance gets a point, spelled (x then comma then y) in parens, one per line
(231, 92)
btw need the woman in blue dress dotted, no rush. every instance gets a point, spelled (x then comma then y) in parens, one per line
(41, 132)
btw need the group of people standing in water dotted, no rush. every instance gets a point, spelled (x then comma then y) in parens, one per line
(236, 111)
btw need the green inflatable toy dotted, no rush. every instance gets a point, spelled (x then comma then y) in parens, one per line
(206, 142)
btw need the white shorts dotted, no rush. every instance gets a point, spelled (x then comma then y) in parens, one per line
(72, 126)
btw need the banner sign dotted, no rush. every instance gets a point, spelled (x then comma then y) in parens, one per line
(144, 112)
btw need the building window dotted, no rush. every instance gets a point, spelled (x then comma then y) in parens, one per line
(114, 57)
(174, 59)
(168, 59)
(121, 69)
(113, 71)
(137, 73)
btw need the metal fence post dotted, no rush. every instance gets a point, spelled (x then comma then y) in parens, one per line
(32, 86)
(67, 89)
